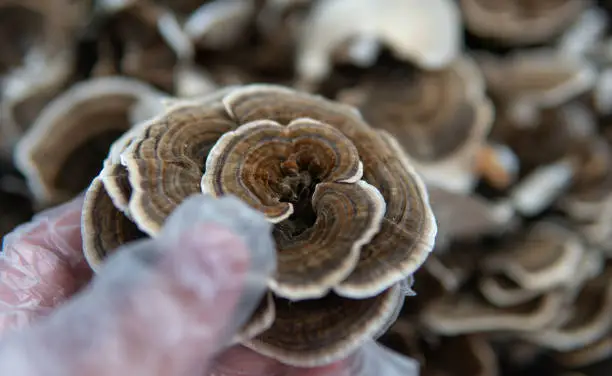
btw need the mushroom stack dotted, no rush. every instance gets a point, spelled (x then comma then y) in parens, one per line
(366, 131)
(352, 217)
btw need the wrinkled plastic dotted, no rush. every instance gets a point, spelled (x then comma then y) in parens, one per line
(158, 307)
(41, 265)
(372, 359)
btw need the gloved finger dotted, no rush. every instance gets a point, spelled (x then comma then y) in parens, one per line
(370, 359)
(373, 359)
(41, 265)
(158, 307)
(241, 361)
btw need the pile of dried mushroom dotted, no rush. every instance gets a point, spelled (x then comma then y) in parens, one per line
(461, 149)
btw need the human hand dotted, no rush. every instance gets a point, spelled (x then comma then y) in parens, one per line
(162, 307)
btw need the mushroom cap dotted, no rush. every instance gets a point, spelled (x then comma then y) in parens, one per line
(588, 321)
(405, 26)
(520, 22)
(432, 113)
(528, 80)
(104, 228)
(341, 196)
(502, 291)
(465, 313)
(37, 59)
(71, 136)
(151, 43)
(441, 118)
(545, 258)
(310, 333)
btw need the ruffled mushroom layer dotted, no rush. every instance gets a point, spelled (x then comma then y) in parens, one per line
(38, 55)
(352, 217)
(547, 288)
(516, 22)
(441, 118)
(59, 155)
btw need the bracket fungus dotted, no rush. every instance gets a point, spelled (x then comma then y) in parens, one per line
(59, 155)
(440, 117)
(484, 125)
(515, 22)
(351, 216)
(37, 58)
(141, 40)
(528, 81)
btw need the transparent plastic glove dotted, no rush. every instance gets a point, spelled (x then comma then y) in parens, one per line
(159, 307)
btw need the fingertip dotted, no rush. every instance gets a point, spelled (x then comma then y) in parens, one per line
(232, 214)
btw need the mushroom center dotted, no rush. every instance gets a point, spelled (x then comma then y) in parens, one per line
(296, 186)
(276, 168)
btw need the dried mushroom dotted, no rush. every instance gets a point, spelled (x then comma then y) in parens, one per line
(342, 197)
(524, 286)
(589, 319)
(425, 33)
(219, 24)
(546, 257)
(441, 118)
(37, 58)
(65, 147)
(515, 22)
(139, 40)
(493, 117)
(528, 81)
(466, 313)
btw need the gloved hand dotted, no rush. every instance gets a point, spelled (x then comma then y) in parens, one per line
(162, 307)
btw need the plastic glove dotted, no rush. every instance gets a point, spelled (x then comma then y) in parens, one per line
(160, 307)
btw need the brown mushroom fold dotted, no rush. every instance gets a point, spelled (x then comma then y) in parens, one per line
(165, 165)
(466, 313)
(260, 320)
(520, 22)
(588, 321)
(441, 118)
(385, 166)
(144, 51)
(312, 194)
(545, 258)
(352, 220)
(530, 80)
(104, 227)
(311, 332)
(502, 291)
(38, 58)
(59, 156)
(248, 158)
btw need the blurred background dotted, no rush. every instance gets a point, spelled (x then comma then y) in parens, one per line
(504, 106)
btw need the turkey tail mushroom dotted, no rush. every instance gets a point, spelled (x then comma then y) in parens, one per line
(341, 198)
(64, 149)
